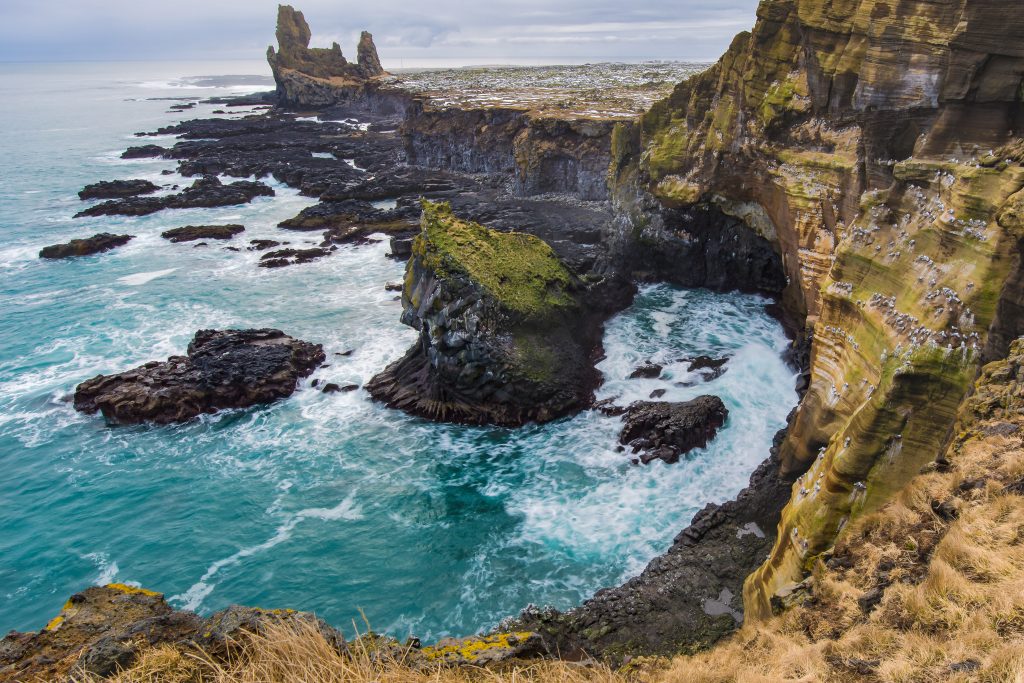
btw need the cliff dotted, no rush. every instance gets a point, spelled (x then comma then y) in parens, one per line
(318, 76)
(873, 145)
(503, 333)
(927, 588)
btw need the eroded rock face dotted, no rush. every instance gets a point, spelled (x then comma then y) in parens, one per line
(223, 369)
(96, 244)
(667, 431)
(308, 76)
(503, 337)
(541, 153)
(875, 146)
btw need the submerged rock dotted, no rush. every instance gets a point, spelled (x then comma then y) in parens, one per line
(116, 189)
(223, 369)
(206, 192)
(504, 338)
(190, 233)
(84, 247)
(666, 431)
(290, 257)
(647, 371)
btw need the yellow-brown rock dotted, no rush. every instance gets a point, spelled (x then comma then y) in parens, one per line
(876, 143)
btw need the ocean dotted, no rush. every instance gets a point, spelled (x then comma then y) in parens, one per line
(328, 503)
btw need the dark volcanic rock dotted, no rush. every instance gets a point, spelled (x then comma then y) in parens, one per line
(666, 431)
(144, 152)
(647, 371)
(91, 245)
(690, 596)
(503, 337)
(190, 233)
(290, 257)
(223, 369)
(207, 192)
(317, 76)
(117, 189)
(261, 245)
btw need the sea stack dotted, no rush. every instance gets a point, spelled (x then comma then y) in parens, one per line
(503, 332)
(316, 76)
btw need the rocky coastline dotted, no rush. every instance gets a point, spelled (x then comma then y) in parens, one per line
(883, 215)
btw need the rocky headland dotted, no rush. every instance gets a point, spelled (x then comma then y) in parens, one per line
(861, 162)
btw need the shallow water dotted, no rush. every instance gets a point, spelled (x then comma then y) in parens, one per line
(320, 502)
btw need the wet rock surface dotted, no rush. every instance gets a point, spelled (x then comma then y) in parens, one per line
(190, 233)
(96, 244)
(223, 369)
(206, 192)
(116, 189)
(666, 431)
(689, 597)
(290, 257)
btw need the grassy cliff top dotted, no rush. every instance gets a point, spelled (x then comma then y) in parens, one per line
(521, 271)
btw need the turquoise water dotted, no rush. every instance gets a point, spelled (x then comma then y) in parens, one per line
(320, 502)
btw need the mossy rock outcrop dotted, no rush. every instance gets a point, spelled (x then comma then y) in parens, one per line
(505, 336)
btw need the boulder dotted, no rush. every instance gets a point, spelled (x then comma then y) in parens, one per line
(223, 369)
(666, 431)
(84, 247)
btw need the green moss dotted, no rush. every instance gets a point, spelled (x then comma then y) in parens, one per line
(520, 271)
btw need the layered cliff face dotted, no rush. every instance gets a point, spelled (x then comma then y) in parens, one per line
(317, 76)
(502, 332)
(541, 152)
(875, 146)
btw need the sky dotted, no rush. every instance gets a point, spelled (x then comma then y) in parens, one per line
(469, 31)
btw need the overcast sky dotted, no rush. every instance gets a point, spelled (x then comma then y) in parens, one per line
(467, 30)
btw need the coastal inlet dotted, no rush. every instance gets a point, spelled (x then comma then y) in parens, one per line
(321, 501)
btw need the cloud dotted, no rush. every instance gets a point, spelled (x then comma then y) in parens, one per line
(453, 29)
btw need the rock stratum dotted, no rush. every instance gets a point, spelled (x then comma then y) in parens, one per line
(876, 146)
(223, 369)
(504, 337)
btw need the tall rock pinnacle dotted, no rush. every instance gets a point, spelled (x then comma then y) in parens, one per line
(293, 53)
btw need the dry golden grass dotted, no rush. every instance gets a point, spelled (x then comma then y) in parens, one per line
(296, 652)
(953, 603)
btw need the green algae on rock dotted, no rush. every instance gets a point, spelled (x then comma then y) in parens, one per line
(504, 337)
